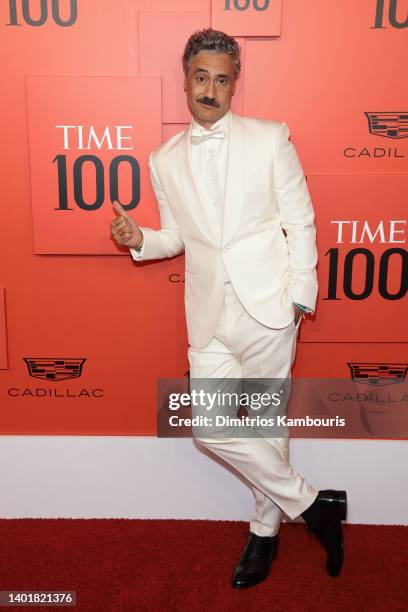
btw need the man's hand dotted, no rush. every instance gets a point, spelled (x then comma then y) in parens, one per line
(124, 229)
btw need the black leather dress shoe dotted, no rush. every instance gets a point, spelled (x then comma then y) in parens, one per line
(255, 561)
(324, 518)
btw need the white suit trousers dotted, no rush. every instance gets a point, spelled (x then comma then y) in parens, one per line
(244, 348)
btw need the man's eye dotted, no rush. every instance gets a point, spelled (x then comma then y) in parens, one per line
(222, 81)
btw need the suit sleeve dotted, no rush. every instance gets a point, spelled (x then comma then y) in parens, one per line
(297, 219)
(167, 241)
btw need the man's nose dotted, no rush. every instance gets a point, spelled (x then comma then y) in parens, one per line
(210, 89)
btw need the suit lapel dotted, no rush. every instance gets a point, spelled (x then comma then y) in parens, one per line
(235, 180)
(234, 187)
(191, 191)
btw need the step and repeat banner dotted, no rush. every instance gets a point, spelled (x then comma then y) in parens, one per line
(90, 88)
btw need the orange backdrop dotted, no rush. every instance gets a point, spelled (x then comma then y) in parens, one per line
(89, 88)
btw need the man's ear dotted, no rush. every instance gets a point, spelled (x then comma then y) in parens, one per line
(185, 84)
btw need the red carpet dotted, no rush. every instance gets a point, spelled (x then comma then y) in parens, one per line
(121, 564)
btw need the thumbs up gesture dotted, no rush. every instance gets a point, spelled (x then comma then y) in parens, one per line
(124, 229)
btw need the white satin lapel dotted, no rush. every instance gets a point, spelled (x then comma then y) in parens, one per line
(235, 181)
(190, 187)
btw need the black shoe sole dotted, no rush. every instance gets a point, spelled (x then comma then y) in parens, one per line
(342, 500)
(250, 584)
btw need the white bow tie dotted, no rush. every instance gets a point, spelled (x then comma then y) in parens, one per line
(199, 135)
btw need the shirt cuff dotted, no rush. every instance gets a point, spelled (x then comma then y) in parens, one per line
(304, 308)
(137, 254)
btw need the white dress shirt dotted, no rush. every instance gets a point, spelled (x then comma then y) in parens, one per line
(209, 161)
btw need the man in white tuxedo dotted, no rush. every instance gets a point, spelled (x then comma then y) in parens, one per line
(233, 197)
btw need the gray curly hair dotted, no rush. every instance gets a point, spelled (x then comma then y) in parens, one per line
(212, 40)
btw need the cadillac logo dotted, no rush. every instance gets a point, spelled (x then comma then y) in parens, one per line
(390, 125)
(54, 369)
(378, 374)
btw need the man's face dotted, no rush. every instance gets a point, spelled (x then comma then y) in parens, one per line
(210, 85)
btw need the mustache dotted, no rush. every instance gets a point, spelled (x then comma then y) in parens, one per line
(209, 102)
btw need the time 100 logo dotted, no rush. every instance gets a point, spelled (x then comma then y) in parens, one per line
(389, 231)
(79, 137)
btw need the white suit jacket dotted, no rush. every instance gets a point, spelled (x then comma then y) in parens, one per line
(265, 191)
